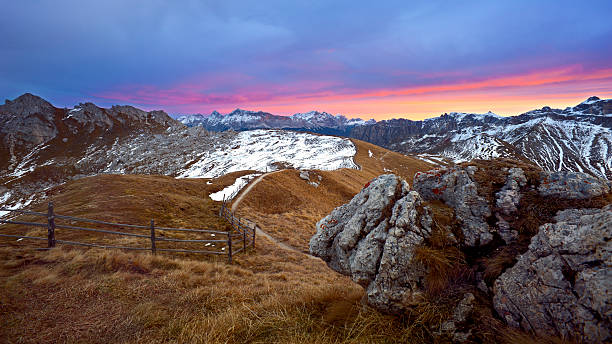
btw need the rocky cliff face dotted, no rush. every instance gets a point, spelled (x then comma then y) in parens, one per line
(30, 122)
(42, 146)
(534, 244)
(562, 285)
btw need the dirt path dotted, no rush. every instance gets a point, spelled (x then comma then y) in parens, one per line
(258, 230)
(248, 189)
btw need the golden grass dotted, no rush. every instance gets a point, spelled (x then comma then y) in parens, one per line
(130, 199)
(76, 295)
(288, 208)
(443, 266)
(268, 295)
(112, 296)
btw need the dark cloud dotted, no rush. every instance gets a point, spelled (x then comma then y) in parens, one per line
(69, 51)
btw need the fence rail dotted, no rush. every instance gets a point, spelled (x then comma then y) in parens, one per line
(247, 232)
(238, 225)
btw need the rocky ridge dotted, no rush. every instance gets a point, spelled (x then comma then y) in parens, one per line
(238, 120)
(42, 146)
(577, 139)
(534, 244)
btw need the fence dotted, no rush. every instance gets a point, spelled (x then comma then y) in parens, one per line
(51, 226)
(241, 227)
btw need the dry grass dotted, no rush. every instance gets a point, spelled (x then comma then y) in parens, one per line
(268, 295)
(100, 296)
(288, 207)
(131, 199)
(103, 296)
(444, 265)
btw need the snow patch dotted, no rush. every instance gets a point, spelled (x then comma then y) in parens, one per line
(231, 191)
(263, 150)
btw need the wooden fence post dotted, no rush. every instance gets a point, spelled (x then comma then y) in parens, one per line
(50, 226)
(243, 236)
(229, 247)
(153, 237)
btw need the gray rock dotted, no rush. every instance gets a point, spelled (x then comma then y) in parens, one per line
(460, 316)
(508, 198)
(571, 185)
(458, 190)
(372, 239)
(305, 175)
(563, 284)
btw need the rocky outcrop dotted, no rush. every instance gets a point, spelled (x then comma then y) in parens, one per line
(571, 185)
(457, 188)
(559, 285)
(507, 200)
(459, 318)
(563, 284)
(372, 239)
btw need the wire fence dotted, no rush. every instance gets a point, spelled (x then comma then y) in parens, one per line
(240, 236)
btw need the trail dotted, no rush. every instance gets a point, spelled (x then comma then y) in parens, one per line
(249, 188)
(258, 230)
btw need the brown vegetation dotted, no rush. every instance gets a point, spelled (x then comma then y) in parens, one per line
(268, 295)
(288, 207)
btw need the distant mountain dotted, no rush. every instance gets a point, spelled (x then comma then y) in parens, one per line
(239, 120)
(577, 138)
(42, 146)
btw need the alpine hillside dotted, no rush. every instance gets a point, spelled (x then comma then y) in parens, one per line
(573, 139)
(576, 139)
(42, 146)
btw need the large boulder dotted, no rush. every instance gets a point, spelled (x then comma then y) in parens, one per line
(571, 185)
(372, 239)
(456, 187)
(563, 284)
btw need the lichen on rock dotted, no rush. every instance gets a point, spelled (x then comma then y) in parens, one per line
(563, 284)
(457, 188)
(372, 239)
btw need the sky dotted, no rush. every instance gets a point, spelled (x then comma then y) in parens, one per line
(368, 59)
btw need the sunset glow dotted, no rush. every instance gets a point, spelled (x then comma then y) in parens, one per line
(371, 61)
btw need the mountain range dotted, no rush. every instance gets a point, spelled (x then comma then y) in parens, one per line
(239, 120)
(576, 138)
(42, 146)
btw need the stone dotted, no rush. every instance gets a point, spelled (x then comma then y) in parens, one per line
(456, 187)
(305, 175)
(562, 286)
(572, 185)
(508, 198)
(460, 316)
(372, 239)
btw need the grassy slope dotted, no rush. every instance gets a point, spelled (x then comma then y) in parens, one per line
(268, 295)
(288, 207)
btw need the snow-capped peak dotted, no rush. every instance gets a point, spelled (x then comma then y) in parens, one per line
(590, 100)
(460, 116)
